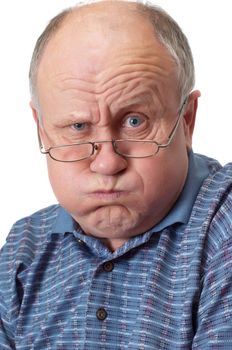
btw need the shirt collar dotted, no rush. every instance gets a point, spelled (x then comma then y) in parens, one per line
(64, 222)
(197, 171)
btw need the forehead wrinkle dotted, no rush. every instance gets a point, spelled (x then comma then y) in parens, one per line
(109, 78)
(137, 99)
(124, 77)
(134, 60)
(140, 54)
(70, 81)
(112, 80)
(92, 91)
(136, 65)
(128, 89)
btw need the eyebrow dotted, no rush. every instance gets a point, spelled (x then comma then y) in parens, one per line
(144, 100)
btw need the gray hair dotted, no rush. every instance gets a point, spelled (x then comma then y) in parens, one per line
(166, 29)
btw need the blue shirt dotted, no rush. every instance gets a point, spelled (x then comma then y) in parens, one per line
(168, 288)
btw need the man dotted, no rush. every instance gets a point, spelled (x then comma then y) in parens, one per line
(138, 253)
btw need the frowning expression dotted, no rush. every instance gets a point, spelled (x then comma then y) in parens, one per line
(103, 78)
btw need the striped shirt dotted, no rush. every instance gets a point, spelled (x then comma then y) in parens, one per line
(168, 288)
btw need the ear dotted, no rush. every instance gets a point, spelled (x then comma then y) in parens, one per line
(190, 116)
(36, 117)
(35, 112)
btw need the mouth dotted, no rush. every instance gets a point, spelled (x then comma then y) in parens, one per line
(107, 194)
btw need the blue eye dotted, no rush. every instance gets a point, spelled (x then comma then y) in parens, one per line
(133, 121)
(79, 126)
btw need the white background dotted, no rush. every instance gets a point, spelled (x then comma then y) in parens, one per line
(24, 184)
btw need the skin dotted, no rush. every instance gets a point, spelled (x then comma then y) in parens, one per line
(97, 74)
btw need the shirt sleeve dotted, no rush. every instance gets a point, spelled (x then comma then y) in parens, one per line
(6, 336)
(6, 297)
(214, 314)
(22, 243)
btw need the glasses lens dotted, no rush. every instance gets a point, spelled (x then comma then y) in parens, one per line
(136, 149)
(71, 153)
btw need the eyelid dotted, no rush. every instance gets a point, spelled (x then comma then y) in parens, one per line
(84, 126)
(68, 123)
(80, 123)
(140, 116)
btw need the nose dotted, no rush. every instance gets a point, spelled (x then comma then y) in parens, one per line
(106, 161)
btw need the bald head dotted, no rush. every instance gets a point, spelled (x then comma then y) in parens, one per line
(113, 18)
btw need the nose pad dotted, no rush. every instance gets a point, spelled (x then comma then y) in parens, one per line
(107, 162)
(99, 144)
(97, 147)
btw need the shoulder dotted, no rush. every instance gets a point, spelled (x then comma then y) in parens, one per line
(211, 218)
(27, 236)
(218, 181)
(218, 185)
(23, 245)
(215, 193)
(42, 218)
(37, 226)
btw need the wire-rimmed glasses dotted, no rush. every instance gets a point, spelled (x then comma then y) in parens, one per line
(130, 148)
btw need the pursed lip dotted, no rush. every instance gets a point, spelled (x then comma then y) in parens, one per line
(107, 194)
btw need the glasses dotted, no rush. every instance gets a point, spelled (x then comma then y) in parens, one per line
(129, 148)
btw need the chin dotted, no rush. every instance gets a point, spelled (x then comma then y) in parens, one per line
(110, 222)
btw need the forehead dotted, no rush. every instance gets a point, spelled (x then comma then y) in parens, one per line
(96, 44)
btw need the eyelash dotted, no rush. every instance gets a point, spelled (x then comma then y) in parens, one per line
(83, 124)
(141, 118)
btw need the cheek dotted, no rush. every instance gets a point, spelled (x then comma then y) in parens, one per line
(66, 181)
(163, 178)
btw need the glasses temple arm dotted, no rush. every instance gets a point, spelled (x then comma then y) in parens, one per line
(172, 133)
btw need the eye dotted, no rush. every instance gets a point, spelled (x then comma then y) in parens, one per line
(79, 126)
(133, 121)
